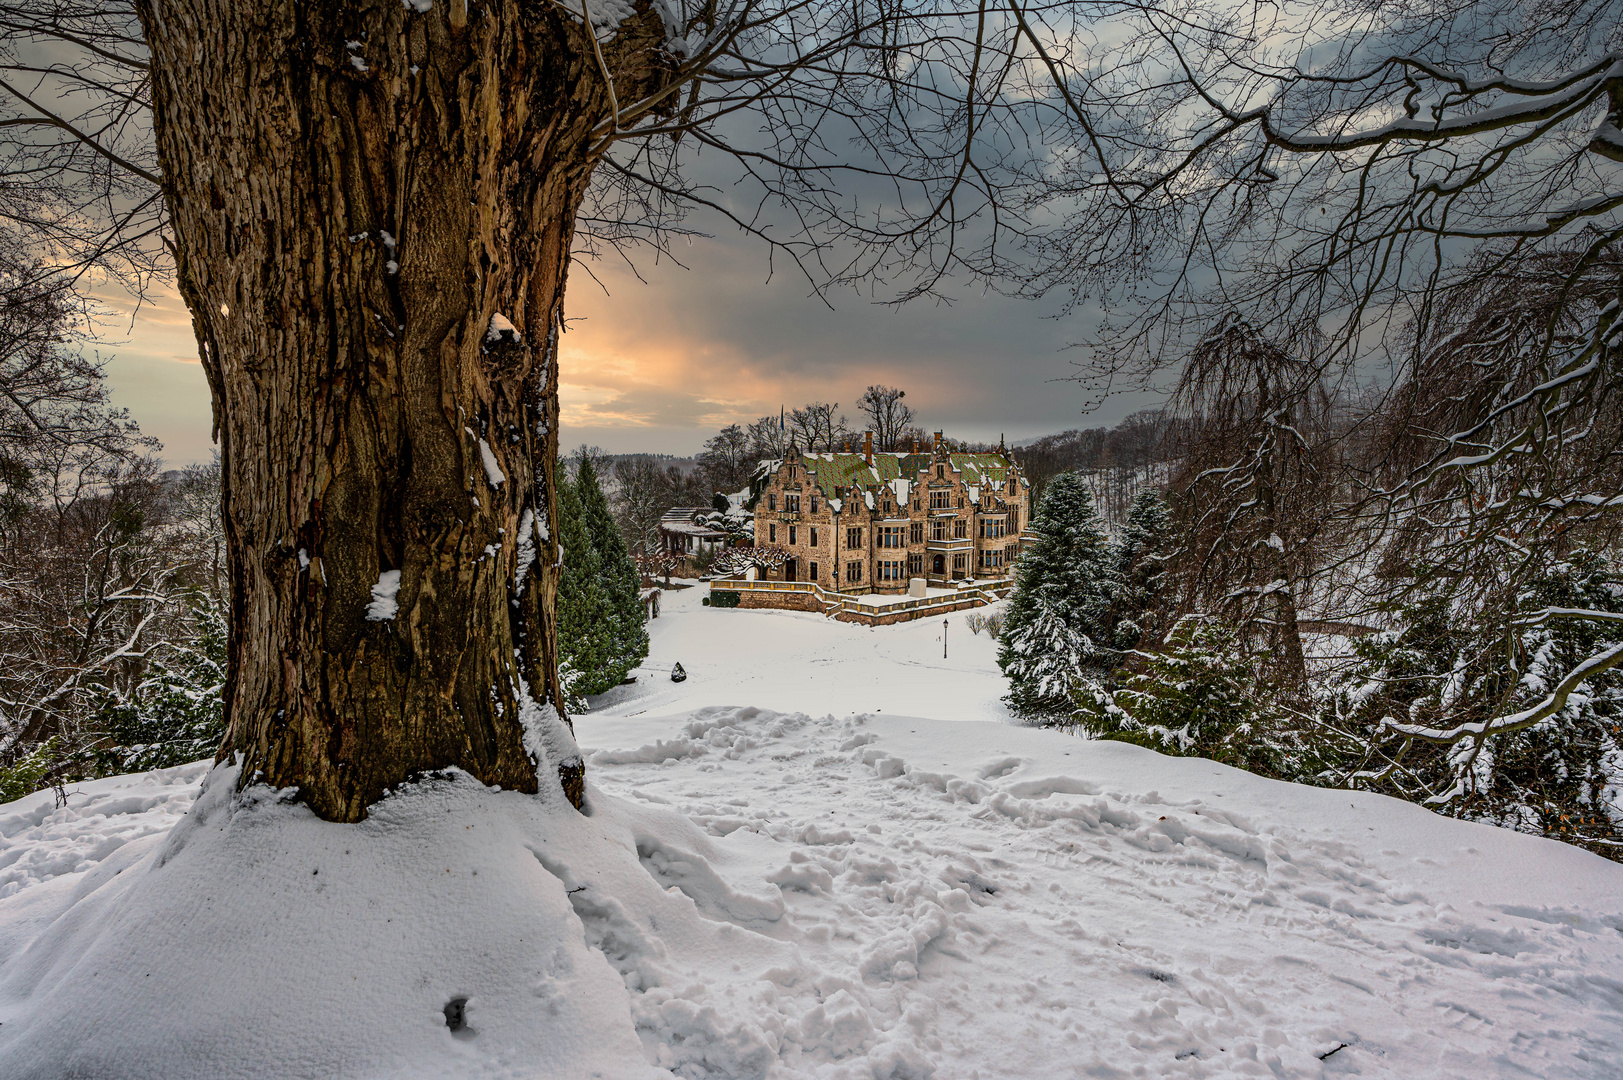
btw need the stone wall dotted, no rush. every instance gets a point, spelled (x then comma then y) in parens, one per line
(845, 609)
(793, 601)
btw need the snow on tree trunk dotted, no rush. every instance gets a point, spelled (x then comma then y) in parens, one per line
(373, 206)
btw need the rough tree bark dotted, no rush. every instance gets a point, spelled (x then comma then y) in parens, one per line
(357, 190)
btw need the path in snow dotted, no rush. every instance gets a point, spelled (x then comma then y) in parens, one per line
(1001, 902)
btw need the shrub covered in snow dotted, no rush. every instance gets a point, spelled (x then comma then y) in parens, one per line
(991, 621)
(1444, 667)
(173, 715)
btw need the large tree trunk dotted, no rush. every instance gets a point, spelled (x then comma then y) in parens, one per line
(357, 190)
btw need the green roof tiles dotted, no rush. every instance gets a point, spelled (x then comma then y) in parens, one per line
(842, 470)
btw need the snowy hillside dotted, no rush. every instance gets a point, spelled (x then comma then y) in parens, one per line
(788, 872)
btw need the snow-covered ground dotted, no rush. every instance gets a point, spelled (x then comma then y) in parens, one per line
(798, 660)
(825, 891)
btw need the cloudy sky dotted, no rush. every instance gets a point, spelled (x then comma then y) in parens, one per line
(660, 364)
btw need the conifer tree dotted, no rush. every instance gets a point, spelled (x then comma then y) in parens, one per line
(1138, 558)
(619, 583)
(585, 638)
(1056, 643)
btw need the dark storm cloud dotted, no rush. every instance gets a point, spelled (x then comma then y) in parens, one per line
(724, 344)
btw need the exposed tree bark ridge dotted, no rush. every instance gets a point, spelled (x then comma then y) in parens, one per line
(357, 189)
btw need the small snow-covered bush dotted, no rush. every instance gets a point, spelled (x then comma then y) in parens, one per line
(175, 715)
(976, 621)
(31, 772)
(990, 621)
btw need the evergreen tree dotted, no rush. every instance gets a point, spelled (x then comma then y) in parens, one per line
(1056, 642)
(619, 581)
(585, 635)
(1138, 558)
(1197, 697)
(1443, 666)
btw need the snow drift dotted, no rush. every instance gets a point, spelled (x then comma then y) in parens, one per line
(769, 895)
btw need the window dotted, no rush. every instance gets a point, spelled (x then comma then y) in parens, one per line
(1009, 553)
(991, 559)
(915, 564)
(940, 472)
(991, 529)
(791, 535)
(853, 538)
(916, 532)
(812, 540)
(960, 529)
(892, 536)
(958, 563)
(891, 570)
(853, 571)
(772, 500)
(941, 500)
(960, 502)
(812, 572)
(938, 528)
(791, 504)
(772, 533)
(1014, 519)
(814, 506)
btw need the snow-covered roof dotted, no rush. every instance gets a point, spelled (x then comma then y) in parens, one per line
(679, 520)
(830, 471)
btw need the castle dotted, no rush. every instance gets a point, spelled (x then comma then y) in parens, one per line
(868, 522)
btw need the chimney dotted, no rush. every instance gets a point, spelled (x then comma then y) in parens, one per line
(912, 446)
(867, 446)
(938, 441)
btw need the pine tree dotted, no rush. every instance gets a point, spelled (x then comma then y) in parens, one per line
(619, 581)
(1056, 642)
(585, 635)
(1139, 559)
(1197, 697)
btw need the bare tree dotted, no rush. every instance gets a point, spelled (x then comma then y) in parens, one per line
(819, 426)
(1250, 494)
(1345, 178)
(644, 491)
(887, 414)
(725, 460)
(768, 438)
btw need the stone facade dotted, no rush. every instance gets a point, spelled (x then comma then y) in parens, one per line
(867, 522)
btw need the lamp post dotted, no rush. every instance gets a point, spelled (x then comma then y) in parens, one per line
(944, 638)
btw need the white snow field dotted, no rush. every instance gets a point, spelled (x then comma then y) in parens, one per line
(823, 891)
